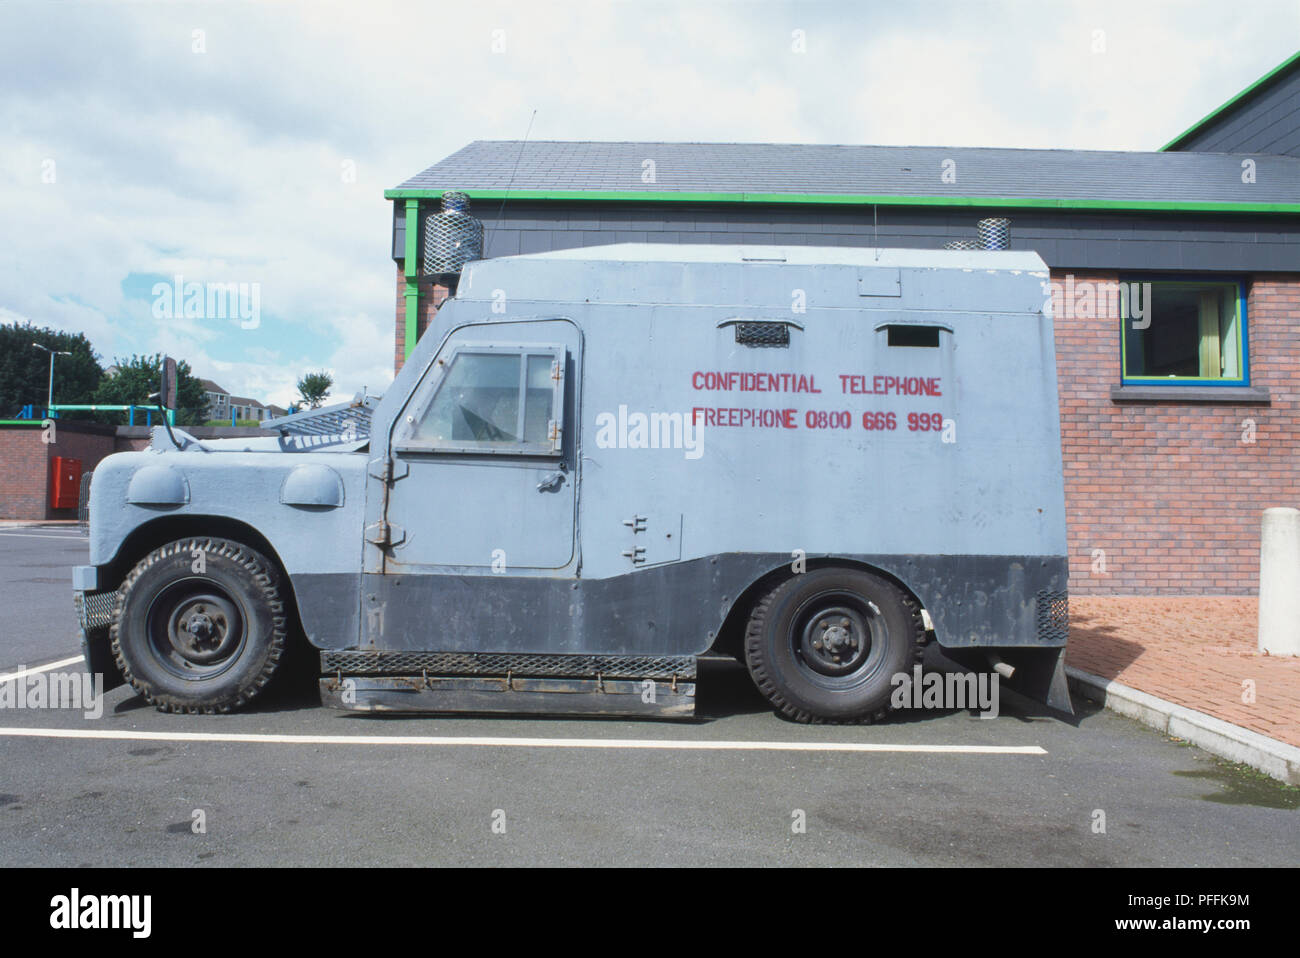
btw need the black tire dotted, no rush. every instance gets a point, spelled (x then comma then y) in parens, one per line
(869, 630)
(200, 635)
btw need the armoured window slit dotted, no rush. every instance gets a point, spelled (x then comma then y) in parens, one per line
(913, 335)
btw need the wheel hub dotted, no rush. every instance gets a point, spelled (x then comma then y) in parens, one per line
(199, 626)
(835, 641)
(837, 638)
(203, 630)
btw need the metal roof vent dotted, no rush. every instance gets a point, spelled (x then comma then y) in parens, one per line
(994, 232)
(452, 237)
(759, 334)
(763, 334)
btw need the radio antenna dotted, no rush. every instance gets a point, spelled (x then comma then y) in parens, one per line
(511, 181)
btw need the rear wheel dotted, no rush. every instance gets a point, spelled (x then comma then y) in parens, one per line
(825, 645)
(201, 625)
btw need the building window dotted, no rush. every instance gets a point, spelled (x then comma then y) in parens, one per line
(1183, 332)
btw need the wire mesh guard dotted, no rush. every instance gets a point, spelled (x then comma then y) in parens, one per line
(95, 610)
(763, 334)
(364, 662)
(452, 237)
(962, 244)
(994, 232)
(339, 423)
(1053, 614)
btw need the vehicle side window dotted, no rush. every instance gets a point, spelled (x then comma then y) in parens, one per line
(503, 399)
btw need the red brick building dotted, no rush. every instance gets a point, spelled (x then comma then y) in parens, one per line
(1176, 288)
(27, 463)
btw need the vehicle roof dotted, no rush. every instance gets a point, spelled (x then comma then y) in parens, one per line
(793, 256)
(762, 276)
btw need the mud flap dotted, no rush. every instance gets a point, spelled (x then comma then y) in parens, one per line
(1039, 673)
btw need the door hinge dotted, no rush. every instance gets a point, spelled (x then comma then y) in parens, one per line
(383, 533)
(636, 554)
(388, 470)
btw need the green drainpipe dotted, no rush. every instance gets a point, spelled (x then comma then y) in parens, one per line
(409, 266)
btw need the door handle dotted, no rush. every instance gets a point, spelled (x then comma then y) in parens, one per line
(551, 482)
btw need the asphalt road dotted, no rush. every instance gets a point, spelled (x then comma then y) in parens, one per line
(37, 623)
(333, 789)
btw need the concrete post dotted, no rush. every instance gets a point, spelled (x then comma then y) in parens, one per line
(1279, 582)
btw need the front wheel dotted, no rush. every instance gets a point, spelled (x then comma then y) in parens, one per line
(200, 626)
(824, 646)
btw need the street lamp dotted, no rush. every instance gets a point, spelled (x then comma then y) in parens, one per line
(53, 352)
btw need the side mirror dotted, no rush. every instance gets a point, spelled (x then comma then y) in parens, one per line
(166, 394)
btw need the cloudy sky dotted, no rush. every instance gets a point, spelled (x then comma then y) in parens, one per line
(252, 142)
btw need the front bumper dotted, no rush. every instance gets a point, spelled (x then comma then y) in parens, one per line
(85, 578)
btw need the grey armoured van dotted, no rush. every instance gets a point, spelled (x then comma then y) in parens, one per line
(599, 465)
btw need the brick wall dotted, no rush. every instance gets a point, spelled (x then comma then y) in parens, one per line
(26, 461)
(431, 297)
(1166, 497)
(24, 473)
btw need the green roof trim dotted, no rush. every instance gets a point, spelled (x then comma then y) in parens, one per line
(843, 199)
(1243, 95)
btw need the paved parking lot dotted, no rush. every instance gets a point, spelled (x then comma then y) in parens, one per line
(291, 783)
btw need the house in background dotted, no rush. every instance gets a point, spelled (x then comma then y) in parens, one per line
(218, 400)
(222, 405)
(1176, 433)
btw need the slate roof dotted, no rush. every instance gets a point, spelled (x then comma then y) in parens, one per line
(1265, 116)
(246, 401)
(776, 168)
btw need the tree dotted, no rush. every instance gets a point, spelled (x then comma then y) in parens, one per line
(315, 387)
(25, 370)
(139, 376)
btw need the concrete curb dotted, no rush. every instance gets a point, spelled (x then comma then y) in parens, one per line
(1276, 759)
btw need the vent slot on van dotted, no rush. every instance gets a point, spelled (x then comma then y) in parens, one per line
(763, 334)
(913, 335)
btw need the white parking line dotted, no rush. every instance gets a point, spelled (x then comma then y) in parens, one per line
(684, 745)
(10, 676)
(34, 535)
